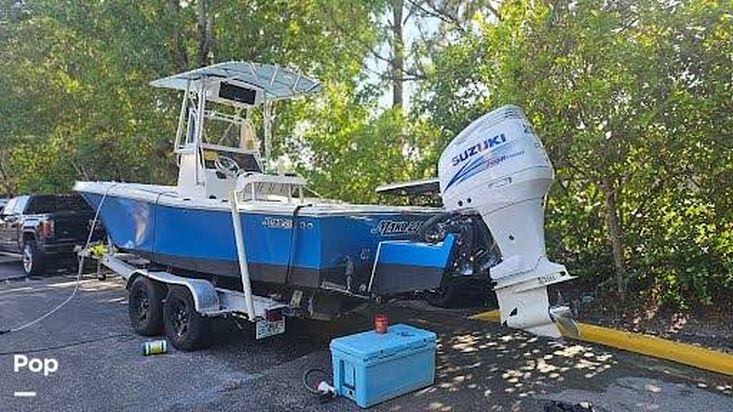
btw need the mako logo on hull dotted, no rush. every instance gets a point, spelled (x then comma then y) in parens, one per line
(397, 227)
(478, 148)
(284, 223)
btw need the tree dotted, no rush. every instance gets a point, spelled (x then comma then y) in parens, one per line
(398, 53)
(615, 93)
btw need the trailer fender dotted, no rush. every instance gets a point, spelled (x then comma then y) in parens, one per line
(205, 297)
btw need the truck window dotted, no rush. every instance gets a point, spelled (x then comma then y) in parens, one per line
(56, 203)
(20, 203)
(8, 210)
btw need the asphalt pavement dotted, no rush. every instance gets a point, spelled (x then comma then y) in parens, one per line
(11, 268)
(481, 366)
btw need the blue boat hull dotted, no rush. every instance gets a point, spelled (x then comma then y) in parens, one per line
(305, 251)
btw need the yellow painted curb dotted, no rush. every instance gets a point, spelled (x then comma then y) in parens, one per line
(696, 356)
(491, 316)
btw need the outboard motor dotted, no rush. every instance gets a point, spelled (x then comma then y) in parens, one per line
(498, 167)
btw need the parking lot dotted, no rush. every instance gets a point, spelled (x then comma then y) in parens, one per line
(480, 365)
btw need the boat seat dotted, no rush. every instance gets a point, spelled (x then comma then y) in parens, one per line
(219, 184)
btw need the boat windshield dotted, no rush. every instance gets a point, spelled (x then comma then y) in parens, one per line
(230, 133)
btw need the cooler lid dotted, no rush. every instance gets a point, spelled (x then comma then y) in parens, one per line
(370, 345)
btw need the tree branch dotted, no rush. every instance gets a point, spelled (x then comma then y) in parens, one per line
(441, 15)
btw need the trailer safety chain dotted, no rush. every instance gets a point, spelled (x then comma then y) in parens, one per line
(79, 273)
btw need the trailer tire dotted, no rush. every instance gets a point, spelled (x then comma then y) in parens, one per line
(185, 328)
(145, 307)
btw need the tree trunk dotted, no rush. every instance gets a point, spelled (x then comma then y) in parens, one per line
(398, 51)
(615, 236)
(205, 24)
(178, 43)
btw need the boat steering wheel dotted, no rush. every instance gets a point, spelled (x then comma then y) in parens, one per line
(227, 165)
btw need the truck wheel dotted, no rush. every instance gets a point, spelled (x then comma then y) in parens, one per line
(184, 327)
(145, 306)
(34, 262)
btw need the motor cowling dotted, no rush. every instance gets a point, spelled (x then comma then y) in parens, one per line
(498, 167)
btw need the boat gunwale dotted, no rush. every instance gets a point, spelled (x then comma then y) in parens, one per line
(170, 198)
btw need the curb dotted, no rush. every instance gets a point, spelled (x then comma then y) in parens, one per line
(684, 353)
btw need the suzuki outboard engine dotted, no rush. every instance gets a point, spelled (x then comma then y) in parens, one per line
(498, 167)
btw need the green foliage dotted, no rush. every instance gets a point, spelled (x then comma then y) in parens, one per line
(348, 150)
(630, 99)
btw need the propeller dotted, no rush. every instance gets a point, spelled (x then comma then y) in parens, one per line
(563, 316)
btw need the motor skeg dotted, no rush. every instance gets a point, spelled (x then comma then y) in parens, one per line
(498, 167)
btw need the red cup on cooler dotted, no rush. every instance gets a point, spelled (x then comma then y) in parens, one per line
(381, 323)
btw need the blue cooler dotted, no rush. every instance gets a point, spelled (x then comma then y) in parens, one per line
(372, 367)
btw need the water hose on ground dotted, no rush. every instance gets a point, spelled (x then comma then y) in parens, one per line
(324, 391)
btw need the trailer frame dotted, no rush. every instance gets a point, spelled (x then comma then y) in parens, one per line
(210, 301)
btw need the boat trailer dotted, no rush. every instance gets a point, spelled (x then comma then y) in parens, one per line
(209, 301)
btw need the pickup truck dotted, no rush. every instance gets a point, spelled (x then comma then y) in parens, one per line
(44, 229)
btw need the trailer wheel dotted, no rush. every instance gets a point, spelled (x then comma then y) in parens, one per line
(145, 306)
(184, 327)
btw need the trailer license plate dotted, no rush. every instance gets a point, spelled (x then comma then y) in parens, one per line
(266, 328)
